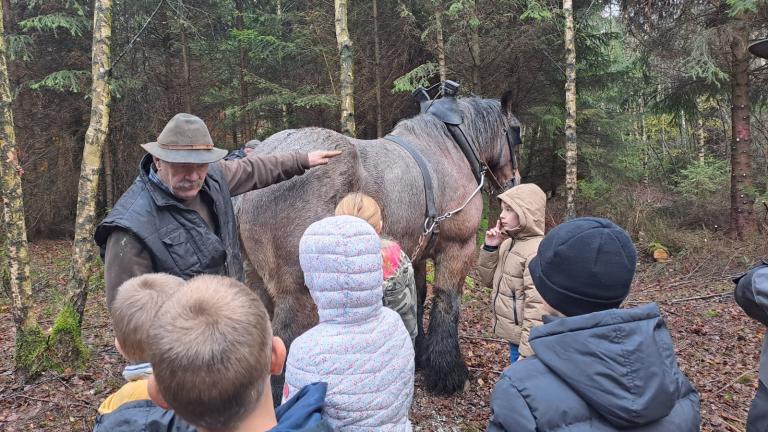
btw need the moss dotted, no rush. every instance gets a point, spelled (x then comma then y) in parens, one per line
(63, 348)
(31, 343)
(65, 344)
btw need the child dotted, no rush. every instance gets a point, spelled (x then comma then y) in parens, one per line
(752, 295)
(213, 352)
(133, 313)
(399, 282)
(601, 368)
(503, 266)
(360, 347)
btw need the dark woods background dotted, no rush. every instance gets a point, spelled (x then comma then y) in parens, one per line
(653, 82)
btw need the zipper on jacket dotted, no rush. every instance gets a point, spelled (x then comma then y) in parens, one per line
(514, 307)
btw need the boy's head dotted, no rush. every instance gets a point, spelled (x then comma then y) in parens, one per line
(213, 352)
(523, 208)
(361, 206)
(584, 265)
(133, 311)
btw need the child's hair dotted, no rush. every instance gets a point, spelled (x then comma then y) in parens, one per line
(133, 312)
(362, 206)
(211, 352)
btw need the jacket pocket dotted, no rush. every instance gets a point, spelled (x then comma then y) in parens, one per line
(180, 247)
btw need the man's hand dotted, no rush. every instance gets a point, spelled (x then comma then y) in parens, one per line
(321, 157)
(495, 236)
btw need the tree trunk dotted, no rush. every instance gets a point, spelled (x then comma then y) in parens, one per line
(645, 144)
(346, 68)
(15, 270)
(377, 69)
(185, 61)
(84, 261)
(570, 107)
(246, 117)
(109, 186)
(742, 213)
(702, 140)
(440, 44)
(475, 49)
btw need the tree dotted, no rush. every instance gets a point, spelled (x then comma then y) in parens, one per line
(570, 107)
(16, 276)
(742, 202)
(83, 260)
(346, 68)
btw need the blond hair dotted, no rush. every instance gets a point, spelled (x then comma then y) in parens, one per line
(133, 312)
(362, 206)
(211, 352)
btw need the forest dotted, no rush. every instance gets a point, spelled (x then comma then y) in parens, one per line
(649, 113)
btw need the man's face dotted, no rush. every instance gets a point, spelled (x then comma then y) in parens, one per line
(183, 179)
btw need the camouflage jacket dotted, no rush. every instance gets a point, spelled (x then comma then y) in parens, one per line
(400, 294)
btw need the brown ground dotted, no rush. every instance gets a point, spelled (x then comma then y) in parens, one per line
(717, 346)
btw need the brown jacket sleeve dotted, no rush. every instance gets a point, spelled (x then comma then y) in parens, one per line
(486, 266)
(125, 258)
(259, 171)
(534, 309)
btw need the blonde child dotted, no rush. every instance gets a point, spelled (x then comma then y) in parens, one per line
(399, 283)
(133, 314)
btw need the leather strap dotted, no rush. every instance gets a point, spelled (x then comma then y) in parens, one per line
(429, 191)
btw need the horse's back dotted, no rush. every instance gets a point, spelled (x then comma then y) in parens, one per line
(273, 219)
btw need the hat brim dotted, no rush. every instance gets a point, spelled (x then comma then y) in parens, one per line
(184, 156)
(759, 48)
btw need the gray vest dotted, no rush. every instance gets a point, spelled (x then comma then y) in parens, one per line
(177, 238)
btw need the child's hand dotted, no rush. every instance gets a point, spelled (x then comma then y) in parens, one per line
(495, 236)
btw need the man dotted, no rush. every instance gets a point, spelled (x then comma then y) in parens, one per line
(177, 217)
(243, 151)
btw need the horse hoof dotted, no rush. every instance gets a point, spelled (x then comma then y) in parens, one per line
(444, 378)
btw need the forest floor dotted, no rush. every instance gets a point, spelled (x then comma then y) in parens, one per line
(717, 346)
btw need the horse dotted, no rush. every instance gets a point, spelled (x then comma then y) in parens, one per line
(272, 220)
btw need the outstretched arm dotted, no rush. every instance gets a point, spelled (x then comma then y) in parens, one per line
(259, 171)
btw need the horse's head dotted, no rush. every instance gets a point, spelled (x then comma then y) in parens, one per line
(496, 132)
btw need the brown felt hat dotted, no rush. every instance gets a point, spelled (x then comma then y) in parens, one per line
(759, 48)
(185, 139)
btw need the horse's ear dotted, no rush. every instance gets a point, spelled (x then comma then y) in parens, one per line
(508, 102)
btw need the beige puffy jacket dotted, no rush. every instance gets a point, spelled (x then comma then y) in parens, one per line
(517, 306)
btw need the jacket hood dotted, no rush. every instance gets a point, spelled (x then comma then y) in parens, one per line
(341, 260)
(303, 412)
(530, 204)
(621, 362)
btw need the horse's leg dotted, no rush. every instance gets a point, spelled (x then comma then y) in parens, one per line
(420, 274)
(295, 313)
(254, 281)
(445, 371)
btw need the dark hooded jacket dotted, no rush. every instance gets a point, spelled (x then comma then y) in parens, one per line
(606, 371)
(303, 413)
(752, 295)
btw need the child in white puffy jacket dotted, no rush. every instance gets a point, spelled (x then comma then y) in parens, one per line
(360, 348)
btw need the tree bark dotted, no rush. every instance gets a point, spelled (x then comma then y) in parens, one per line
(742, 217)
(16, 254)
(346, 68)
(185, 61)
(83, 261)
(377, 69)
(246, 117)
(570, 107)
(702, 140)
(475, 49)
(440, 44)
(108, 177)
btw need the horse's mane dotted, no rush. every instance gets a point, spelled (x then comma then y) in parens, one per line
(482, 119)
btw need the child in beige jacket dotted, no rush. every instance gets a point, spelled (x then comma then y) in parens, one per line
(503, 266)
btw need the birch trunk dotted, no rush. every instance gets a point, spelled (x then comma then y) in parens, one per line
(16, 254)
(570, 106)
(346, 68)
(84, 257)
